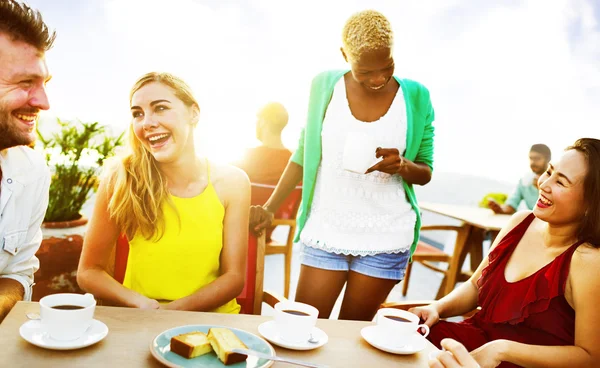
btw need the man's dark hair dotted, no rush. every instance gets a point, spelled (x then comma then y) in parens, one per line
(542, 149)
(22, 23)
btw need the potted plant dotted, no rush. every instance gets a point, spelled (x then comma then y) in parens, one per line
(75, 155)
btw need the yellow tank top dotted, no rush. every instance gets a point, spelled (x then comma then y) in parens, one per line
(187, 257)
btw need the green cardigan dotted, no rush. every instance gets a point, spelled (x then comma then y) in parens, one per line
(419, 138)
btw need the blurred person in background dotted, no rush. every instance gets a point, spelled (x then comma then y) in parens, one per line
(527, 189)
(265, 164)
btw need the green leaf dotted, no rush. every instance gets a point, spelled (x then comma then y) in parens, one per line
(75, 155)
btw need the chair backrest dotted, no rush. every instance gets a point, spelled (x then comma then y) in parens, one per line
(251, 296)
(287, 210)
(121, 254)
(250, 299)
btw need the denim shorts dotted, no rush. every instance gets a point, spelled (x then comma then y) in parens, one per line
(383, 266)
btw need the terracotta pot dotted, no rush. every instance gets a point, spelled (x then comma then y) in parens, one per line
(59, 257)
(65, 224)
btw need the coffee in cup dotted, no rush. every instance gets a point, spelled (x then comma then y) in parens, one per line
(398, 326)
(67, 307)
(294, 321)
(295, 312)
(66, 316)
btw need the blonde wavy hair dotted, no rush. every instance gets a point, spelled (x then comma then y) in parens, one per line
(368, 30)
(139, 189)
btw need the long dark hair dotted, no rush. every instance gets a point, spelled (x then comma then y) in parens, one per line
(589, 229)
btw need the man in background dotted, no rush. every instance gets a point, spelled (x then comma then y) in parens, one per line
(24, 176)
(527, 189)
(265, 164)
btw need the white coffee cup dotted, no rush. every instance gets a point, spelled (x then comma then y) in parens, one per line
(359, 152)
(398, 326)
(67, 324)
(294, 321)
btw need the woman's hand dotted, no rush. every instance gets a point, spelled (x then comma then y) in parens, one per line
(454, 356)
(488, 355)
(428, 314)
(146, 303)
(260, 219)
(391, 164)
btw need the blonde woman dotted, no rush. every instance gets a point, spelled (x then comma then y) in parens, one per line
(358, 229)
(186, 219)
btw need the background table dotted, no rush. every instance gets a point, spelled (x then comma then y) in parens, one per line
(477, 222)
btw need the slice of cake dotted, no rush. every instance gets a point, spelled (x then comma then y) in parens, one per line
(222, 341)
(190, 345)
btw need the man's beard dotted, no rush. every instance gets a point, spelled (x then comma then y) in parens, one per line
(538, 170)
(10, 136)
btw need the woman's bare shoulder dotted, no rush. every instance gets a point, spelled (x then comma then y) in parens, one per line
(514, 220)
(231, 183)
(586, 259)
(227, 173)
(583, 285)
(518, 217)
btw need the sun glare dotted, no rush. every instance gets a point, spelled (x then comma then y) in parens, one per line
(514, 72)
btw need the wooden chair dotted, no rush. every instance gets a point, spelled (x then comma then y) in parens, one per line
(285, 216)
(251, 297)
(427, 255)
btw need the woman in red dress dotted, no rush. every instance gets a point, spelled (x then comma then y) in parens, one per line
(538, 289)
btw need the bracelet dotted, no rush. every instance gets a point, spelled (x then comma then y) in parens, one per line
(402, 164)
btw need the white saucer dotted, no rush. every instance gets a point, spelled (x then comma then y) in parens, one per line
(33, 333)
(373, 337)
(269, 332)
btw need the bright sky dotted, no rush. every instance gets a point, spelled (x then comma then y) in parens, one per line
(502, 74)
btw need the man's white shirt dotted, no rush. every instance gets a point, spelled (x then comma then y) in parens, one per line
(23, 203)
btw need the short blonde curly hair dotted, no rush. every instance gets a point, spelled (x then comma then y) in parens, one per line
(367, 30)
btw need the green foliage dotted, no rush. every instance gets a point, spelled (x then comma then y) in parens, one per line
(75, 155)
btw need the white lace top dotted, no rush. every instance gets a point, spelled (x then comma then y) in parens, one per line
(359, 214)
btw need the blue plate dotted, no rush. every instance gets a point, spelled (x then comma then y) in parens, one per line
(160, 348)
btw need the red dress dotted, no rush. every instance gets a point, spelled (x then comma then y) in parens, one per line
(531, 311)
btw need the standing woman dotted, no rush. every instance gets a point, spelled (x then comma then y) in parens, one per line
(358, 229)
(186, 219)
